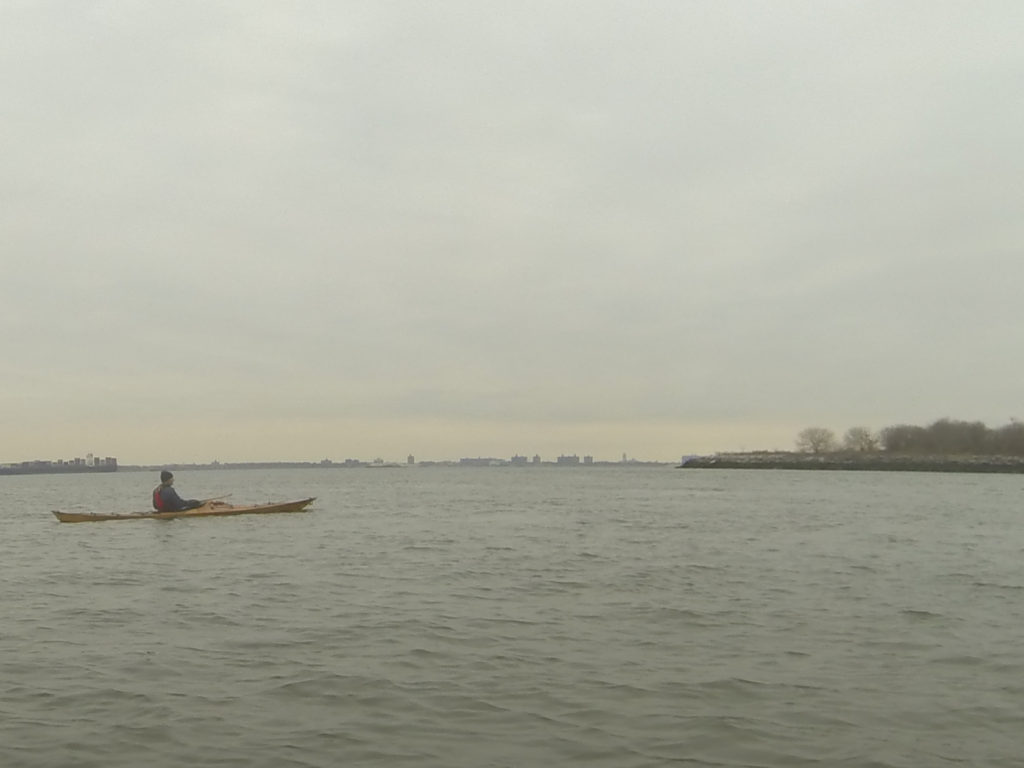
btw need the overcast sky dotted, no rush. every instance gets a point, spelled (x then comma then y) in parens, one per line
(256, 231)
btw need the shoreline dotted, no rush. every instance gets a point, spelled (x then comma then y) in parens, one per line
(858, 463)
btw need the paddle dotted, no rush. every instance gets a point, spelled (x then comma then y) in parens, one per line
(217, 498)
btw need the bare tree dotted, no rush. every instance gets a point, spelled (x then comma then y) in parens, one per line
(903, 438)
(948, 437)
(1009, 440)
(860, 439)
(816, 440)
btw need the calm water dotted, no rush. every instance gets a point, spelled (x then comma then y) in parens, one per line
(518, 617)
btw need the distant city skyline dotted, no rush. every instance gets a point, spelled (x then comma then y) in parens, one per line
(410, 459)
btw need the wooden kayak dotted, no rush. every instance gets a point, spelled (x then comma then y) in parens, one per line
(210, 509)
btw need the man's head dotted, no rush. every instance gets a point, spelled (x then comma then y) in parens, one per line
(166, 477)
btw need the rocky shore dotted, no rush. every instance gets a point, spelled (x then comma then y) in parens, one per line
(870, 462)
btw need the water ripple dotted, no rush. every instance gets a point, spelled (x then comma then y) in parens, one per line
(625, 618)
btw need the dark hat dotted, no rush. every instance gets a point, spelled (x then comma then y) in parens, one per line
(165, 476)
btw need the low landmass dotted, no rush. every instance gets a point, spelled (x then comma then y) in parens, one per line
(946, 445)
(876, 462)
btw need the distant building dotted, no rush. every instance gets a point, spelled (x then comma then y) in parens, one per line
(588, 459)
(519, 461)
(569, 461)
(411, 459)
(353, 463)
(480, 462)
(536, 458)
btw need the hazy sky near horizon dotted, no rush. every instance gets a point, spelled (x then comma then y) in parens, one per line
(255, 230)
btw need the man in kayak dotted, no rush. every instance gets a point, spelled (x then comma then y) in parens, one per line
(166, 499)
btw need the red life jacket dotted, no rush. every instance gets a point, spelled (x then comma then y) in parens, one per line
(158, 502)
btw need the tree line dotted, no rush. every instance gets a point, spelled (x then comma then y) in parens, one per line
(944, 437)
